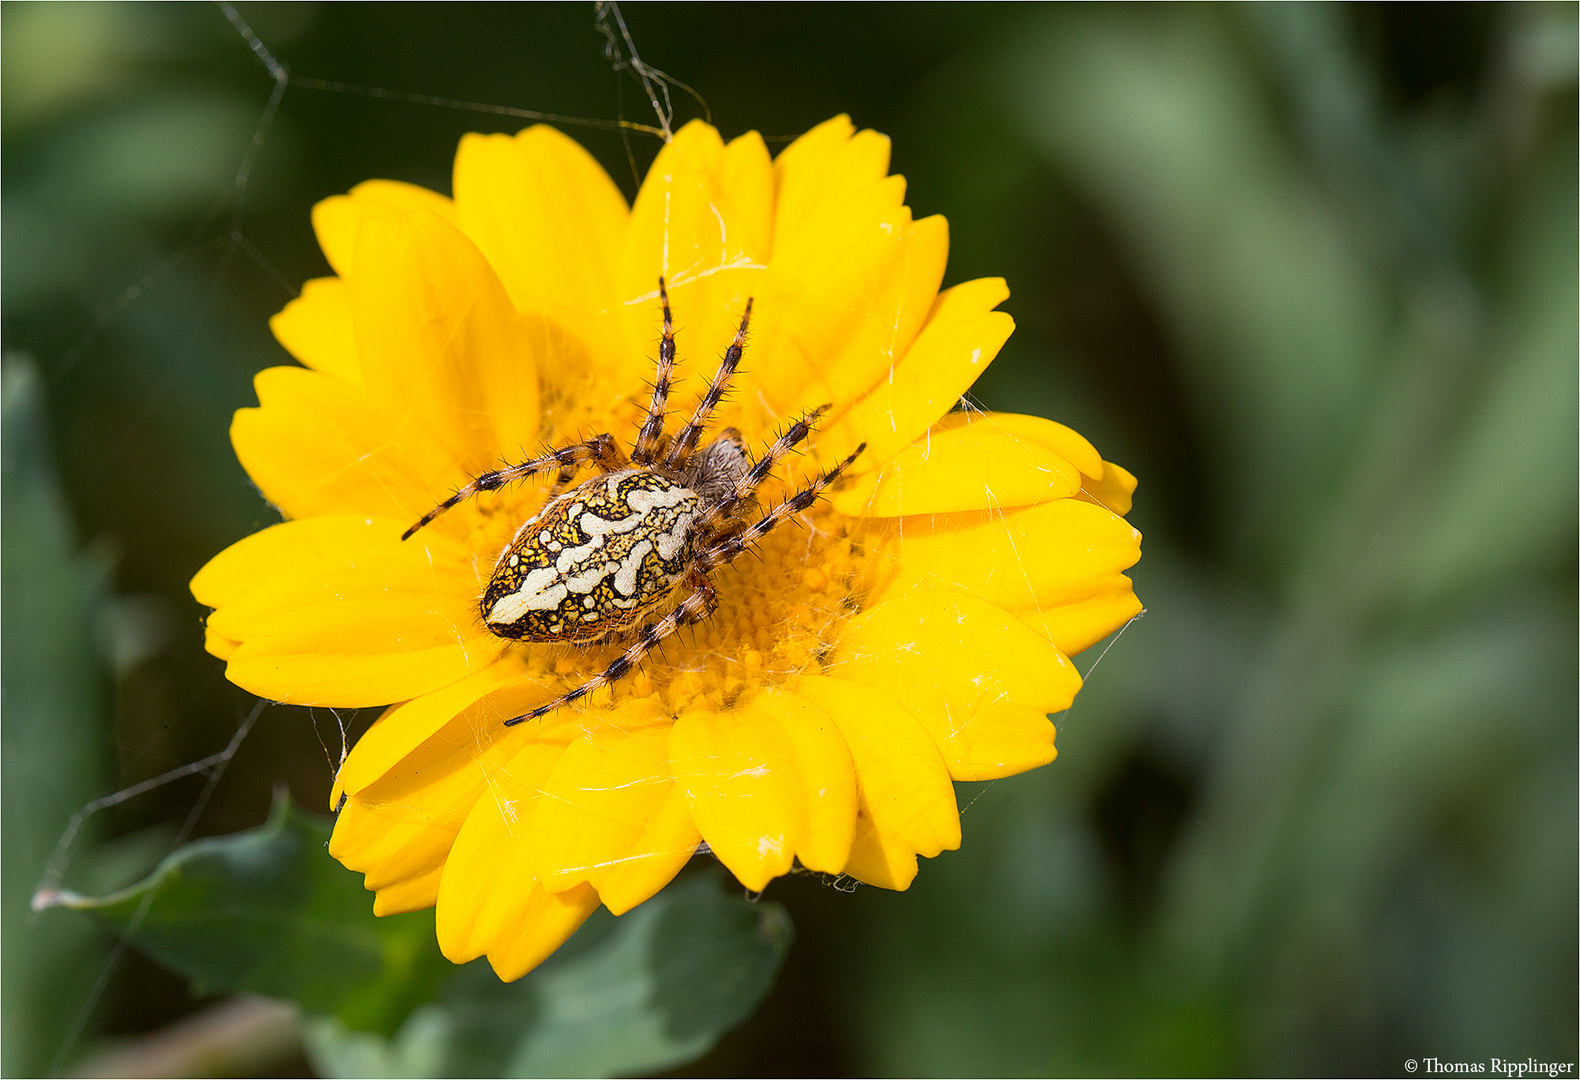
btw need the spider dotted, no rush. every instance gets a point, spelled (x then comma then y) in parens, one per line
(600, 559)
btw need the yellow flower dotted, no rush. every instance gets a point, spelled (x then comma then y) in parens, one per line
(911, 628)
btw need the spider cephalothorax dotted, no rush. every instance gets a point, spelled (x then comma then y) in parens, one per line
(600, 560)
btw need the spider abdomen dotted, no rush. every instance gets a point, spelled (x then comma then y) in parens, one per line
(595, 560)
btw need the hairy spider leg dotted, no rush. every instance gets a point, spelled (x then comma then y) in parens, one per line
(562, 482)
(600, 448)
(653, 427)
(765, 465)
(609, 460)
(680, 449)
(702, 598)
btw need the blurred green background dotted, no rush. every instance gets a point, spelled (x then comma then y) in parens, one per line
(1309, 271)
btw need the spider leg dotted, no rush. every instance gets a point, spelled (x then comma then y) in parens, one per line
(609, 459)
(765, 465)
(680, 450)
(568, 473)
(600, 448)
(709, 605)
(653, 427)
(695, 606)
(732, 544)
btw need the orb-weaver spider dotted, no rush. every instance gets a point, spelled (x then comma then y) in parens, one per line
(600, 558)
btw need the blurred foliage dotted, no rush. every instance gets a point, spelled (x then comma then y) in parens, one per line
(1309, 271)
(1315, 813)
(55, 705)
(267, 911)
(624, 996)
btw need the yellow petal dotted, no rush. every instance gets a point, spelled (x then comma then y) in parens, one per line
(491, 899)
(1080, 624)
(813, 344)
(699, 221)
(823, 168)
(980, 681)
(852, 277)
(338, 218)
(1102, 482)
(316, 329)
(1033, 430)
(961, 337)
(417, 774)
(412, 894)
(542, 922)
(252, 562)
(400, 848)
(318, 446)
(792, 777)
(390, 842)
(879, 859)
(828, 776)
(980, 466)
(551, 223)
(738, 771)
(448, 727)
(218, 644)
(338, 612)
(612, 816)
(1114, 490)
(747, 174)
(1034, 558)
(802, 170)
(438, 337)
(303, 671)
(341, 561)
(904, 785)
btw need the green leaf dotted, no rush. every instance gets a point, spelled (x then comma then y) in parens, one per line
(638, 994)
(267, 911)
